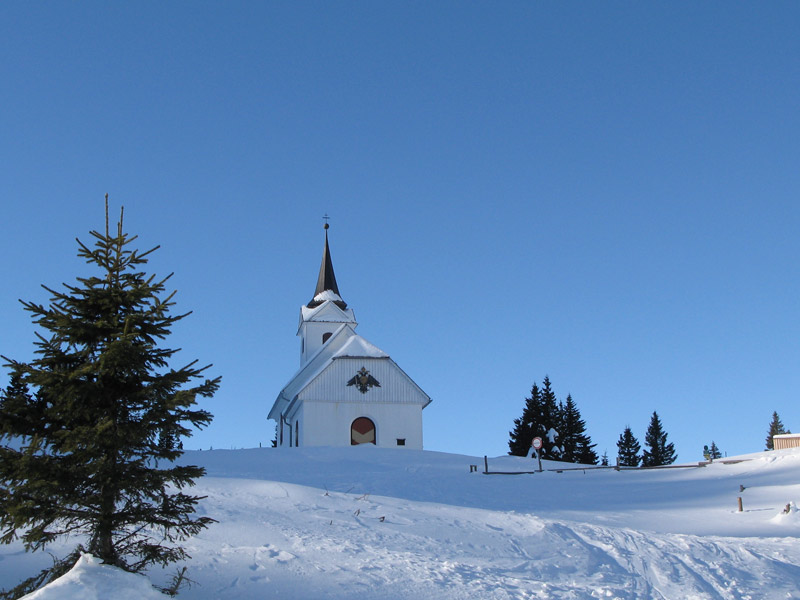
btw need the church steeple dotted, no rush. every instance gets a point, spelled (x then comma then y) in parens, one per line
(326, 282)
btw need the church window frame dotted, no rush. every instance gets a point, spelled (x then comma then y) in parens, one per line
(326, 336)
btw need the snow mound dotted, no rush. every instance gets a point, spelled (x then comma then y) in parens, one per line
(790, 514)
(90, 579)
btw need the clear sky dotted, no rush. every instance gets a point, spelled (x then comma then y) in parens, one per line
(606, 193)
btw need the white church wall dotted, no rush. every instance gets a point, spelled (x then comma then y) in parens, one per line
(311, 339)
(328, 423)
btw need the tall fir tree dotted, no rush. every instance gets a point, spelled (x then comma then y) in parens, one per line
(628, 449)
(548, 422)
(658, 451)
(775, 428)
(576, 446)
(89, 452)
(520, 438)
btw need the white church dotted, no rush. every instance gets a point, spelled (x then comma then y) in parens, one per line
(347, 391)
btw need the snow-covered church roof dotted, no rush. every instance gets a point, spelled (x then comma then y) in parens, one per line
(358, 347)
(344, 343)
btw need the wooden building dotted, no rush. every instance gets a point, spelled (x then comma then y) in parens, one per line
(786, 440)
(347, 391)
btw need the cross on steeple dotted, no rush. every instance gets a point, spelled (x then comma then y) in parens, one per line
(327, 279)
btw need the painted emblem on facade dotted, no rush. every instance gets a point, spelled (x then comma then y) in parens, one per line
(363, 380)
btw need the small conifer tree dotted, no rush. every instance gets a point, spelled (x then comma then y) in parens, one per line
(658, 451)
(90, 428)
(713, 451)
(576, 444)
(775, 428)
(520, 438)
(628, 448)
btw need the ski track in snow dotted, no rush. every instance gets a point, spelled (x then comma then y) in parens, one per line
(336, 546)
(277, 538)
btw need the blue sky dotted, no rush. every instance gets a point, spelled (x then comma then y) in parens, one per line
(603, 192)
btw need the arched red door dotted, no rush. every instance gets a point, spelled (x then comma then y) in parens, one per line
(362, 431)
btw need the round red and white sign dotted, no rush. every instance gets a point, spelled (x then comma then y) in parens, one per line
(537, 443)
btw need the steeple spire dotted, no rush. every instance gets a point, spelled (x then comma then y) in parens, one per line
(326, 282)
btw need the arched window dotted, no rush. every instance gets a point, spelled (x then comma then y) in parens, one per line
(326, 337)
(362, 431)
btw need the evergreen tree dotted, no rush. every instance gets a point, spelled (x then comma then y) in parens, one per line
(520, 438)
(548, 422)
(775, 428)
(628, 449)
(576, 446)
(101, 428)
(559, 425)
(604, 459)
(713, 451)
(657, 451)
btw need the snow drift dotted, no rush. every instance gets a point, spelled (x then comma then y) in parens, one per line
(376, 523)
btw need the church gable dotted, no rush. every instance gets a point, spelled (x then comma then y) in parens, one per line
(365, 380)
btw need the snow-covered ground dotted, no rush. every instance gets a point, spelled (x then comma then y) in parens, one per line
(365, 522)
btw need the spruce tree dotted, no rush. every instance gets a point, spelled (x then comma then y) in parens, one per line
(657, 451)
(628, 449)
(520, 438)
(548, 422)
(88, 452)
(775, 428)
(713, 451)
(576, 446)
(604, 459)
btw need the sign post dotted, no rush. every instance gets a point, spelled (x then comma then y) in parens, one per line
(536, 444)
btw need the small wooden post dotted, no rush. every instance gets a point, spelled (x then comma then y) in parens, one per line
(485, 465)
(740, 504)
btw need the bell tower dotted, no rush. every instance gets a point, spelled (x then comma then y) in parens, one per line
(326, 313)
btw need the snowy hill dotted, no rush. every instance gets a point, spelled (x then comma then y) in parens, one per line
(365, 522)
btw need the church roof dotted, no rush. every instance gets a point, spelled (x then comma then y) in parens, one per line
(344, 343)
(358, 347)
(326, 282)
